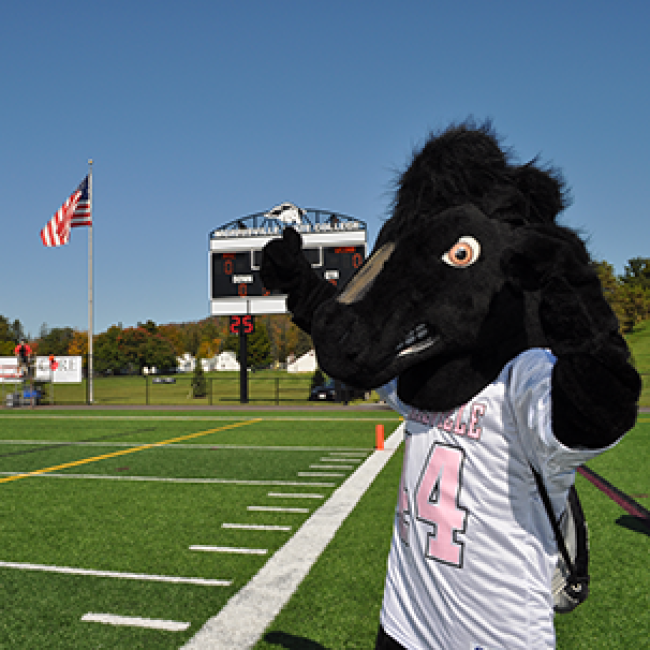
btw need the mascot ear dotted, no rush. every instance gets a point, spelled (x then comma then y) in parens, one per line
(544, 191)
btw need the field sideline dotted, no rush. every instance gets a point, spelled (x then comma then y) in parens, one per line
(160, 518)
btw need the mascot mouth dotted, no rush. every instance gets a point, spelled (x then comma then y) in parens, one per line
(417, 340)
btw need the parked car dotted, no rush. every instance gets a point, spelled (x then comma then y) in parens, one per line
(164, 380)
(327, 392)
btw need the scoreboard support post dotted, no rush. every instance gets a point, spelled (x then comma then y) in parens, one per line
(243, 366)
(243, 326)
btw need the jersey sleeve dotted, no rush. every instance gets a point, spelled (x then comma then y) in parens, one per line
(388, 392)
(530, 396)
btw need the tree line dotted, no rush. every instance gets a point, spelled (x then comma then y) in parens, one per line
(129, 349)
(628, 294)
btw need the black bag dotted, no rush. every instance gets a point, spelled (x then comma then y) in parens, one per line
(570, 583)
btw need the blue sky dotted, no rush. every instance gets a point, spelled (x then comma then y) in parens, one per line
(197, 112)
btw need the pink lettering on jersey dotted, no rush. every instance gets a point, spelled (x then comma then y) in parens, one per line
(448, 424)
(460, 427)
(478, 411)
(454, 421)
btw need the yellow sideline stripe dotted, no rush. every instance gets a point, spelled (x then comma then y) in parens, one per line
(123, 452)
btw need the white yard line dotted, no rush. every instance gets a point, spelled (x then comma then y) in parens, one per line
(319, 475)
(295, 495)
(331, 467)
(163, 479)
(25, 566)
(255, 527)
(241, 623)
(348, 453)
(229, 549)
(136, 621)
(301, 511)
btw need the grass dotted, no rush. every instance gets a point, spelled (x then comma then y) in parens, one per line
(337, 606)
(147, 527)
(617, 612)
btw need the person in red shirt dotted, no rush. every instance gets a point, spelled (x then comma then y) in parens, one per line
(24, 354)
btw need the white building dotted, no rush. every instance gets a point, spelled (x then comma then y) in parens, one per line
(227, 360)
(305, 363)
(186, 363)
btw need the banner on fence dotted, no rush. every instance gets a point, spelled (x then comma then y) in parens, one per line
(58, 370)
(9, 370)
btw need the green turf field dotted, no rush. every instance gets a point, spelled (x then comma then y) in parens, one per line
(104, 502)
(127, 493)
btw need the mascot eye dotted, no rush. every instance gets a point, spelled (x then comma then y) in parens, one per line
(463, 253)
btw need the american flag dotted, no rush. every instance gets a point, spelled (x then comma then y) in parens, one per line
(74, 212)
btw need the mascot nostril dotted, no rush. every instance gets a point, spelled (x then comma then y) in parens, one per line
(482, 321)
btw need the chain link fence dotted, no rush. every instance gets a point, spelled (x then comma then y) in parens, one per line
(149, 390)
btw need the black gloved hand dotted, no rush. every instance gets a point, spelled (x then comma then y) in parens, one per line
(595, 388)
(285, 268)
(283, 263)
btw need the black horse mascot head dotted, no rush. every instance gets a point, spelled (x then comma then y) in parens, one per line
(471, 269)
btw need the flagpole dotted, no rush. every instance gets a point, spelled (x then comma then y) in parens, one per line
(90, 283)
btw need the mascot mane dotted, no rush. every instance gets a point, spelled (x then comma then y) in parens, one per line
(466, 164)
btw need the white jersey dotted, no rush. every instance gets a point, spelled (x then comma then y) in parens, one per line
(473, 551)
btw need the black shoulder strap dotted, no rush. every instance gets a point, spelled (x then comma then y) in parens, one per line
(556, 527)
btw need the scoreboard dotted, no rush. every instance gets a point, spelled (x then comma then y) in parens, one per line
(334, 245)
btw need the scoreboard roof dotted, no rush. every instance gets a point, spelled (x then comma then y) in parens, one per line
(273, 222)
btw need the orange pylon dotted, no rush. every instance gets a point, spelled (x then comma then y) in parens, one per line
(379, 437)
